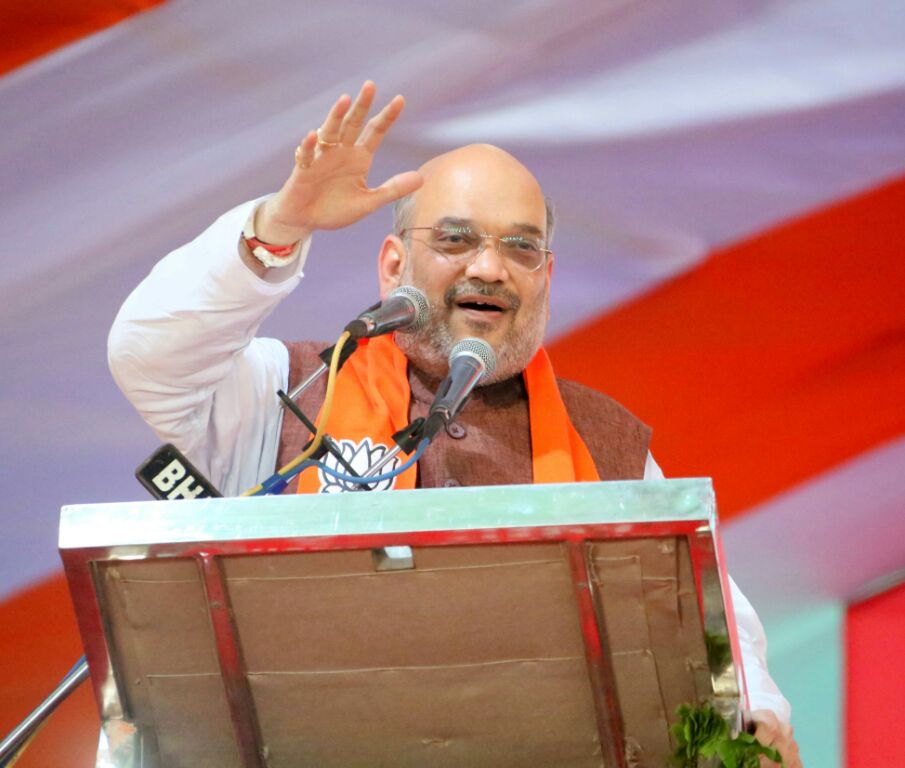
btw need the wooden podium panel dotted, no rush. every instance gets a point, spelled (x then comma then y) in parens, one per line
(534, 625)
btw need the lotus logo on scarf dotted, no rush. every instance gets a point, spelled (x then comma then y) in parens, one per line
(361, 456)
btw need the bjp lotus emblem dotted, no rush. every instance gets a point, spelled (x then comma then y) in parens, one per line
(362, 456)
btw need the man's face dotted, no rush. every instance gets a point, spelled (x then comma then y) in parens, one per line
(486, 295)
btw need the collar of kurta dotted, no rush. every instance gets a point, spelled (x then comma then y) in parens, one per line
(371, 404)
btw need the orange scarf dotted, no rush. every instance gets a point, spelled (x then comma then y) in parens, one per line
(371, 403)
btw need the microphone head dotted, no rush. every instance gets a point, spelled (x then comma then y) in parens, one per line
(419, 301)
(476, 348)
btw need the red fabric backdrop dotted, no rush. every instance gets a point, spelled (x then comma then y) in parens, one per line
(875, 681)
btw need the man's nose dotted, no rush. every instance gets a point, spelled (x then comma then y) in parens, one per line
(488, 263)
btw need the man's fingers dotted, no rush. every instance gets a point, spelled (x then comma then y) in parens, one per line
(378, 125)
(765, 734)
(304, 155)
(329, 130)
(790, 757)
(355, 118)
(392, 189)
(764, 720)
(772, 732)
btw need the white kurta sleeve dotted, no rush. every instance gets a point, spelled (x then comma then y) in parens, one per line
(763, 693)
(184, 352)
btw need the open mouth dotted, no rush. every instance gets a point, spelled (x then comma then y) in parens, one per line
(487, 305)
(480, 306)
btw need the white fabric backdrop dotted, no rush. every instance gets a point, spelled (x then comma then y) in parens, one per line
(661, 129)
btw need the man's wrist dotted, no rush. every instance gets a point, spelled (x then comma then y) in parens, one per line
(268, 254)
(269, 228)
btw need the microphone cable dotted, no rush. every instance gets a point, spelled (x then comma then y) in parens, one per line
(276, 482)
(366, 479)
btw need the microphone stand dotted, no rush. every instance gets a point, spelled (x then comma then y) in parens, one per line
(15, 742)
(406, 440)
(328, 444)
(324, 355)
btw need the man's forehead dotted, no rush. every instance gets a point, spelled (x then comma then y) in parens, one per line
(480, 182)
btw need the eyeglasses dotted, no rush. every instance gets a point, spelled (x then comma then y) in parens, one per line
(458, 244)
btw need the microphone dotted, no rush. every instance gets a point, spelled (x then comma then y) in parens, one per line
(167, 474)
(406, 309)
(469, 361)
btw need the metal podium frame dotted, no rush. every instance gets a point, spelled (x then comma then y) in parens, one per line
(209, 530)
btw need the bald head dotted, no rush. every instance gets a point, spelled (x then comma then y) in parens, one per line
(490, 292)
(480, 175)
(477, 157)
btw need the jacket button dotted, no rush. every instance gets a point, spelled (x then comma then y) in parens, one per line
(455, 430)
(451, 483)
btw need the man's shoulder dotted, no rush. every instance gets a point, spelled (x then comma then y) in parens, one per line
(617, 439)
(583, 401)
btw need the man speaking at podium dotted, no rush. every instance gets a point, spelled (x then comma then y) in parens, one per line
(472, 231)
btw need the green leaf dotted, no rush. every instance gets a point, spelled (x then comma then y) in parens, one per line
(726, 751)
(701, 733)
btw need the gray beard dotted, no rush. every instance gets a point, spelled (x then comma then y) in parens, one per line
(429, 347)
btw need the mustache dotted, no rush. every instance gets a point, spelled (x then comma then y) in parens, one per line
(479, 288)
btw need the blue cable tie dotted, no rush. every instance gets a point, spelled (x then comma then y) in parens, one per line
(273, 485)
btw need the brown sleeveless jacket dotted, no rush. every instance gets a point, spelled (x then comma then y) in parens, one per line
(490, 442)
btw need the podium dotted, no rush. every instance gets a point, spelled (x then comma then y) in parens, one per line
(547, 625)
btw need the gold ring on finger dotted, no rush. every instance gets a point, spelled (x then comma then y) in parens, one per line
(298, 157)
(323, 143)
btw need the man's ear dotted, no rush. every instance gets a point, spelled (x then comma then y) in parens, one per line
(390, 264)
(549, 269)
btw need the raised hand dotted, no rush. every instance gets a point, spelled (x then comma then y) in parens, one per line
(328, 187)
(772, 733)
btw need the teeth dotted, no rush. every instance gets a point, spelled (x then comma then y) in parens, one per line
(477, 304)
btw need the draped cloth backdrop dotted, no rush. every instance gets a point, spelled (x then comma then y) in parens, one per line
(730, 188)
